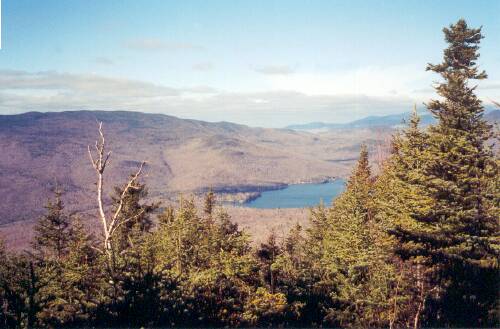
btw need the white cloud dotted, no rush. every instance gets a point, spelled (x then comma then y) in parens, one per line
(325, 99)
(275, 70)
(371, 81)
(153, 44)
(22, 91)
(65, 84)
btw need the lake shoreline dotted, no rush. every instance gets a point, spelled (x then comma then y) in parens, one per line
(240, 195)
(311, 188)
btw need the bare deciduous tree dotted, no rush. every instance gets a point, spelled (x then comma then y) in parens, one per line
(112, 223)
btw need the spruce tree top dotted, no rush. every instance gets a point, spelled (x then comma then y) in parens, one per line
(460, 112)
(461, 54)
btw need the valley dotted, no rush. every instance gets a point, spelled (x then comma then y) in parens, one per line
(41, 150)
(184, 157)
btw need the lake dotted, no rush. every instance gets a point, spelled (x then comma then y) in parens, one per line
(298, 196)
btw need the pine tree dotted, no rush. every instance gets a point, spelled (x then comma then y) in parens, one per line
(209, 203)
(51, 246)
(458, 233)
(207, 269)
(356, 256)
(52, 231)
(398, 195)
(82, 280)
(63, 250)
(18, 291)
(267, 254)
(135, 215)
(132, 277)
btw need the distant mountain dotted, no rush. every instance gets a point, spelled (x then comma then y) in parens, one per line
(42, 149)
(387, 121)
(493, 116)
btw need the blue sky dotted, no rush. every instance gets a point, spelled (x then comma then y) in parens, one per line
(263, 63)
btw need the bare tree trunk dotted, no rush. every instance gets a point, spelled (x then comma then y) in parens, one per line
(395, 308)
(421, 301)
(99, 163)
(31, 297)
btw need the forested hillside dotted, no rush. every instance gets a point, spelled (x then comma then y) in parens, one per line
(183, 156)
(414, 244)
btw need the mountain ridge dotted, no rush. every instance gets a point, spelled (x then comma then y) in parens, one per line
(184, 156)
(386, 121)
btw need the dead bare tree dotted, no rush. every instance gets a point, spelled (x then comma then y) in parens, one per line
(112, 223)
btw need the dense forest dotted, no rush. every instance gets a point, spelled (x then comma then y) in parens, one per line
(415, 245)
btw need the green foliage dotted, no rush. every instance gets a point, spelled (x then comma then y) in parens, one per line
(65, 267)
(397, 198)
(265, 308)
(18, 291)
(211, 263)
(455, 229)
(52, 231)
(132, 284)
(416, 245)
(357, 256)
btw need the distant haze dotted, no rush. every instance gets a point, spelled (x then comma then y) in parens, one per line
(260, 63)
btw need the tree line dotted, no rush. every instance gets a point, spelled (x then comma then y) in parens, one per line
(415, 245)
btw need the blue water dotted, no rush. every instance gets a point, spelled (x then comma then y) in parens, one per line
(298, 196)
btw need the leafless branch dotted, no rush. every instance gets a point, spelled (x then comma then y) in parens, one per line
(99, 162)
(130, 185)
(125, 221)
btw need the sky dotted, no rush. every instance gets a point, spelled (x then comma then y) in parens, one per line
(260, 63)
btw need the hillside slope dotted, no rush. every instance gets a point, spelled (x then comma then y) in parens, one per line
(40, 150)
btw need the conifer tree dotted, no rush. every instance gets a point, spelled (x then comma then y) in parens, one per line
(51, 246)
(132, 275)
(83, 279)
(207, 270)
(135, 215)
(355, 255)
(398, 195)
(301, 274)
(18, 291)
(458, 233)
(268, 254)
(52, 232)
(209, 203)
(318, 224)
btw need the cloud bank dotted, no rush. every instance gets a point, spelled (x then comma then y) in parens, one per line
(22, 91)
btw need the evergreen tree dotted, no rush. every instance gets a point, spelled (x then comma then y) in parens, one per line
(209, 203)
(301, 276)
(356, 255)
(52, 231)
(66, 269)
(18, 291)
(133, 280)
(82, 280)
(268, 254)
(135, 216)
(207, 269)
(458, 233)
(398, 195)
(51, 246)
(265, 309)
